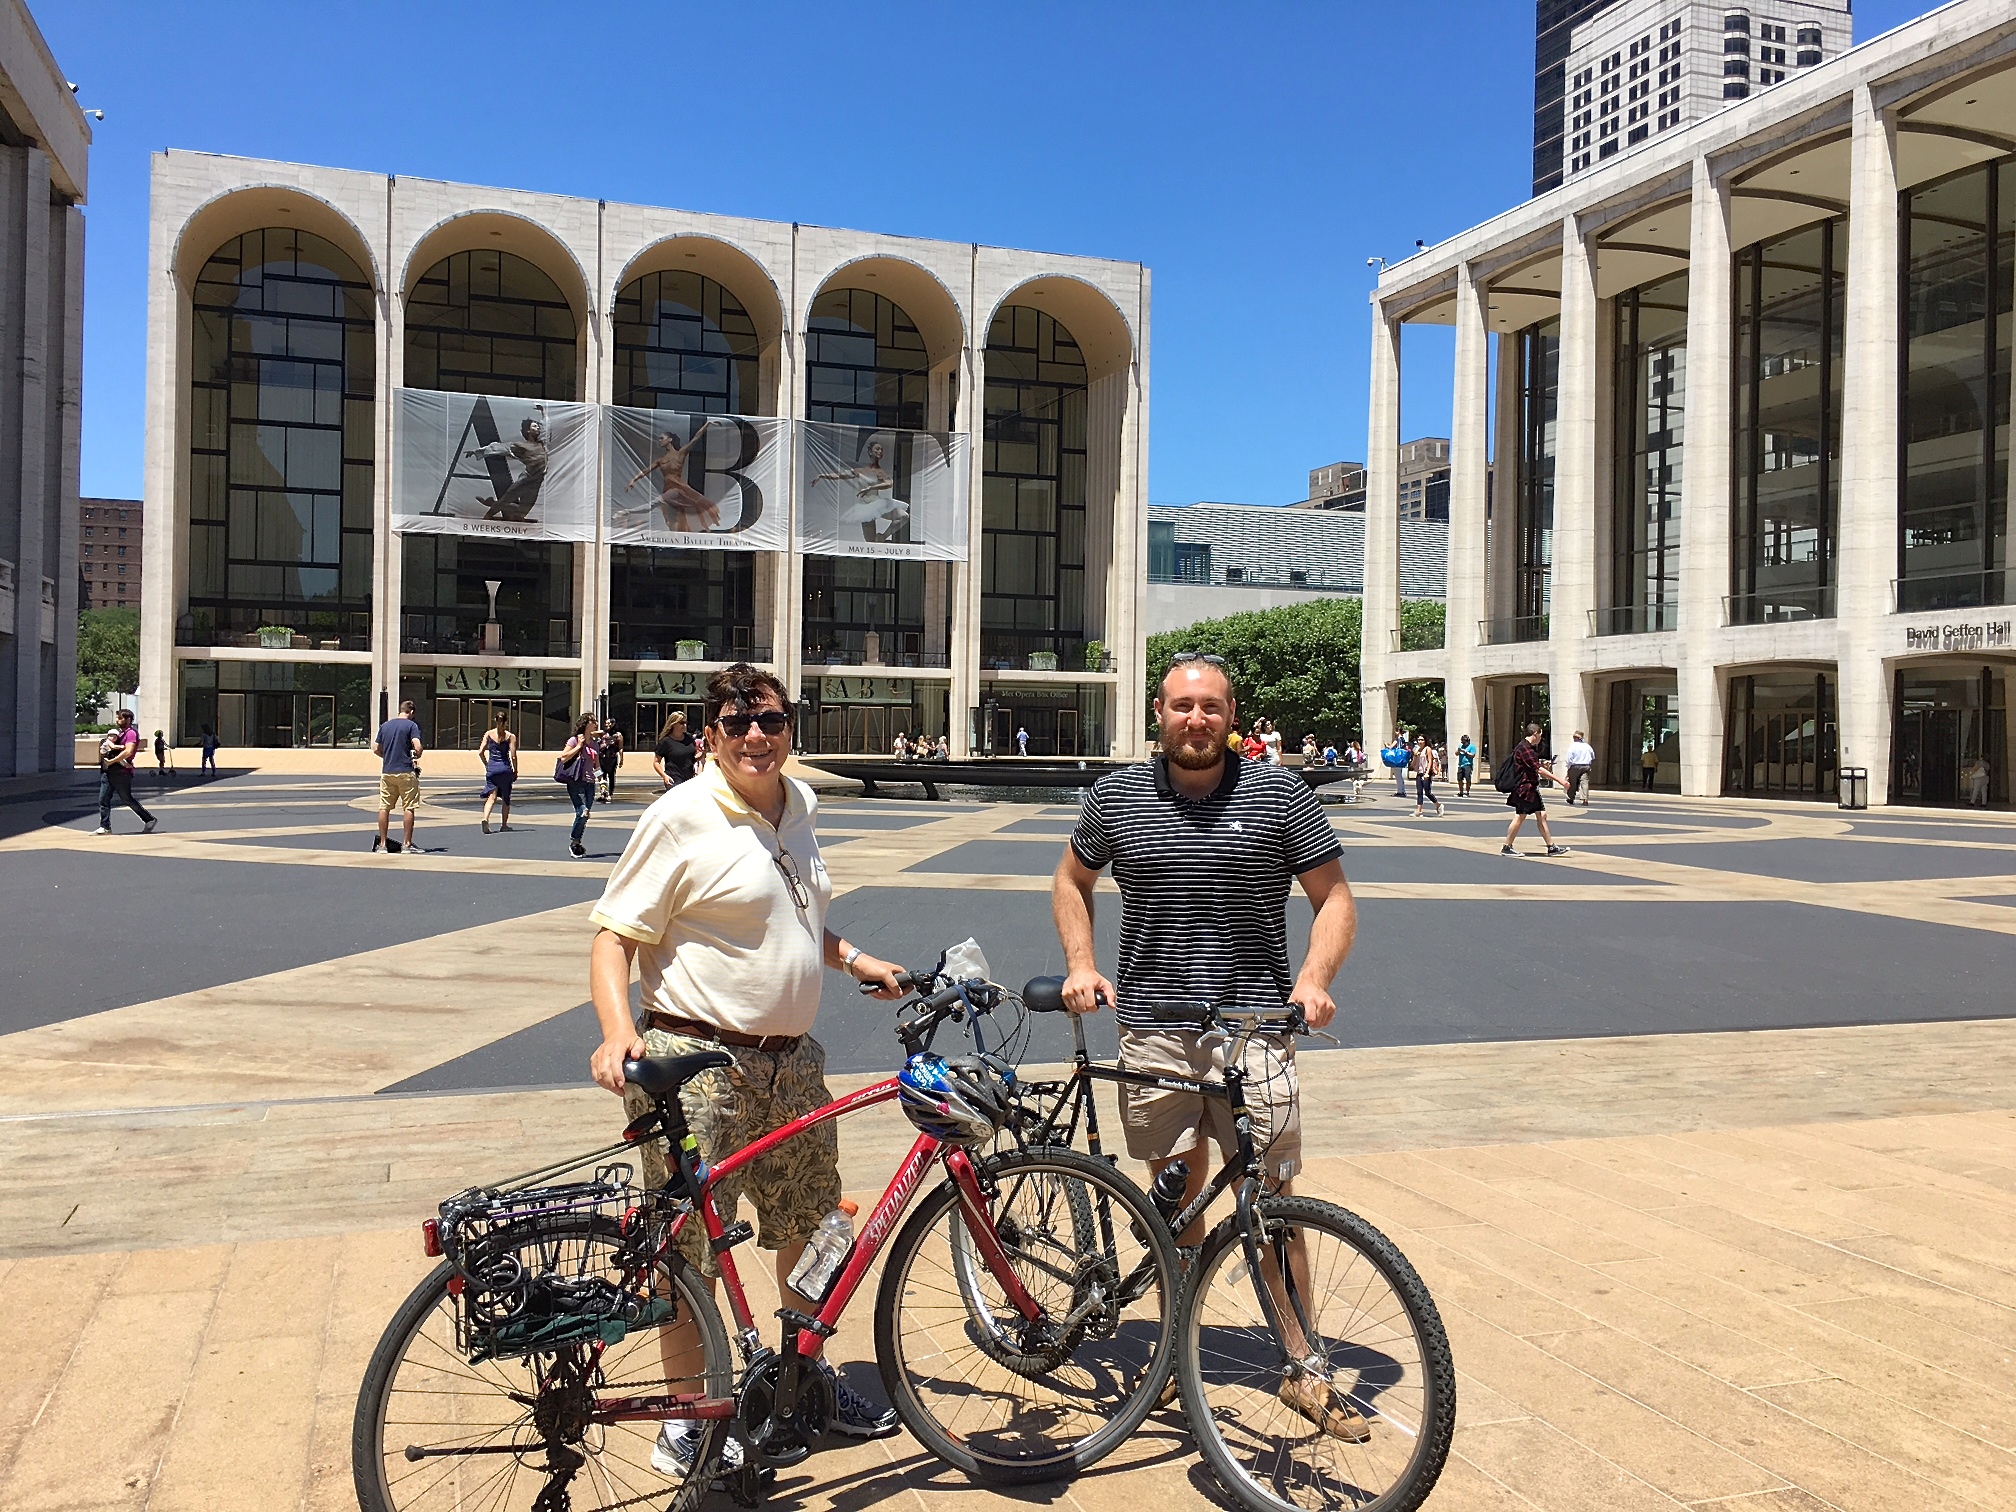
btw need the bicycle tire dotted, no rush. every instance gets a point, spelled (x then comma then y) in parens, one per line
(419, 1344)
(1231, 1421)
(988, 1331)
(1120, 1358)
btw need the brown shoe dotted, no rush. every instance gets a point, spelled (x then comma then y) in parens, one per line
(1318, 1401)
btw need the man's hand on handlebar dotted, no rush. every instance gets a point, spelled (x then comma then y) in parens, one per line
(1085, 990)
(1317, 1006)
(878, 978)
(606, 1064)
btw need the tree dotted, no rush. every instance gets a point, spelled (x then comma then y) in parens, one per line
(1420, 707)
(108, 657)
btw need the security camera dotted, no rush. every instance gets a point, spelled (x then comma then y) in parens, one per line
(96, 115)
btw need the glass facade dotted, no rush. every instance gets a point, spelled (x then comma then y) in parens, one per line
(683, 342)
(1062, 719)
(865, 364)
(283, 369)
(1032, 553)
(1950, 738)
(1781, 739)
(267, 703)
(489, 323)
(1953, 496)
(1650, 397)
(1533, 548)
(1787, 498)
(863, 715)
(1642, 750)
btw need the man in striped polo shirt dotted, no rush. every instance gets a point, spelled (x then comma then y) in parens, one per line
(1204, 845)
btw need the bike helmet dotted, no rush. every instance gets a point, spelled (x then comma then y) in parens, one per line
(961, 1101)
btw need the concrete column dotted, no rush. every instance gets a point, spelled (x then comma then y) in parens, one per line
(1380, 606)
(31, 364)
(592, 608)
(1866, 545)
(1572, 582)
(787, 654)
(1127, 615)
(1469, 459)
(1705, 483)
(388, 550)
(1502, 545)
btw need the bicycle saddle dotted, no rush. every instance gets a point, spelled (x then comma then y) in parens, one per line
(1043, 994)
(663, 1075)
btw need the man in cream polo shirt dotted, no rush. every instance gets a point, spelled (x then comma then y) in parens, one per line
(719, 900)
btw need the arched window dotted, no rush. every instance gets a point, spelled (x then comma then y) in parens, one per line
(865, 362)
(282, 370)
(683, 342)
(1032, 502)
(490, 323)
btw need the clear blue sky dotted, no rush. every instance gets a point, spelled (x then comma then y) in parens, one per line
(1252, 155)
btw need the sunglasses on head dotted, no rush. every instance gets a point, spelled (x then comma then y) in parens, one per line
(1208, 658)
(770, 722)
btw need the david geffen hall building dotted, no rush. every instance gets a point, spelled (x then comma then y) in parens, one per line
(490, 449)
(1751, 389)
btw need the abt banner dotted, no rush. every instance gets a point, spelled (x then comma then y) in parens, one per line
(881, 493)
(706, 481)
(478, 464)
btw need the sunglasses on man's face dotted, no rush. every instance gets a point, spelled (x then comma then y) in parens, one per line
(770, 722)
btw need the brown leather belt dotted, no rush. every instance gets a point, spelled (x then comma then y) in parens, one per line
(772, 1044)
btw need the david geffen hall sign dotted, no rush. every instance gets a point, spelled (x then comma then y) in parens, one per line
(1995, 636)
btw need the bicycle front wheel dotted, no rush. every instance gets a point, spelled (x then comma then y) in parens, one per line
(1355, 1408)
(1004, 1399)
(438, 1432)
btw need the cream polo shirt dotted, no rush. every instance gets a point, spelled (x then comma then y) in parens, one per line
(719, 937)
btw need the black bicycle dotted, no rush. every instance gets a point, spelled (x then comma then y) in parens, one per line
(1313, 1366)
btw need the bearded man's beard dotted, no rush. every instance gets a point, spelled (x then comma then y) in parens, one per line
(1197, 758)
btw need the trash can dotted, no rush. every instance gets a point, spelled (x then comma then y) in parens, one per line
(1854, 787)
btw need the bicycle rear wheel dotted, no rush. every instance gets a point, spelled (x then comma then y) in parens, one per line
(1004, 1400)
(435, 1432)
(1373, 1340)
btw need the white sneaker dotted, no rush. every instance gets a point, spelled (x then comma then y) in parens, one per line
(103, 829)
(148, 827)
(678, 1446)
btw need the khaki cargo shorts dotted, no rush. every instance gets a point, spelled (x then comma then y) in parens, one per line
(400, 790)
(1162, 1123)
(795, 1185)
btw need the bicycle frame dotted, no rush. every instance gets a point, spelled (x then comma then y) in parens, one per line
(1242, 1166)
(896, 1198)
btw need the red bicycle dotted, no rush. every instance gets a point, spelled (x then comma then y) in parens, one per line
(1020, 1320)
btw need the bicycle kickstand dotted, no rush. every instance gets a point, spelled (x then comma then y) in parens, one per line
(746, 1484)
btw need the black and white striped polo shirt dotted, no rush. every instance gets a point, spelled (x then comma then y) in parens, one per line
(1203, 884)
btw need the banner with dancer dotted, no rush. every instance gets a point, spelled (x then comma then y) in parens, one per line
(705, 481)
(876, 492)
(481, 464)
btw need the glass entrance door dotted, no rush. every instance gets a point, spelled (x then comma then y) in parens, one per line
(1067, 732)
(1951, 742)
(321, 719)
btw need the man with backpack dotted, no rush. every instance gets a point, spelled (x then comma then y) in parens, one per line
(1519, 777)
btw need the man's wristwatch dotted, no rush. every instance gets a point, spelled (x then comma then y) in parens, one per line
(847, 961)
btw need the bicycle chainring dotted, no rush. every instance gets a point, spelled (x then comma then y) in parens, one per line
(782, 1438)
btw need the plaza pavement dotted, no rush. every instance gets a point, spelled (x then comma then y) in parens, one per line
(1765, 1264)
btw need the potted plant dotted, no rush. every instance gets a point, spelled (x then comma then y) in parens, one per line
(690, 650)
(1095, 656)
(1042, 661)
(276, 637)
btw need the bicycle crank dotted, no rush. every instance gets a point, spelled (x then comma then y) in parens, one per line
(778, 1433)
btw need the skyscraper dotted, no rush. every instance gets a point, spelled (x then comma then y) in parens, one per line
(1554, 25)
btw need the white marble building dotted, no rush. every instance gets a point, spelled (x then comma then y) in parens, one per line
(287, 302)
(1751, 522)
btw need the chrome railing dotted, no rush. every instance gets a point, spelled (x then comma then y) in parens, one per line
(1515, 630)
(1779, 605)
(1953, 590)
(1634, 619)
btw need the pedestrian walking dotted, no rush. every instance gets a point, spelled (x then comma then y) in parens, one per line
(209, 752)
(577, 767)
(1581, 759)
(499, 750)
(1021, 741)
(1426, 765)
(676, 753)
(1528, 772)
(720, 898)
(1648, 765)
(1394, 756)
(609, 755)
(1204, 850)
(399, 749)
(163, 762)
(1354, 754)
(1466, 766)
(116, 755)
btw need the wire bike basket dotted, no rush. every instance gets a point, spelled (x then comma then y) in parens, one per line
(542, 1268)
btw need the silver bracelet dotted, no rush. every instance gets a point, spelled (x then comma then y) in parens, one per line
(847, 961)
